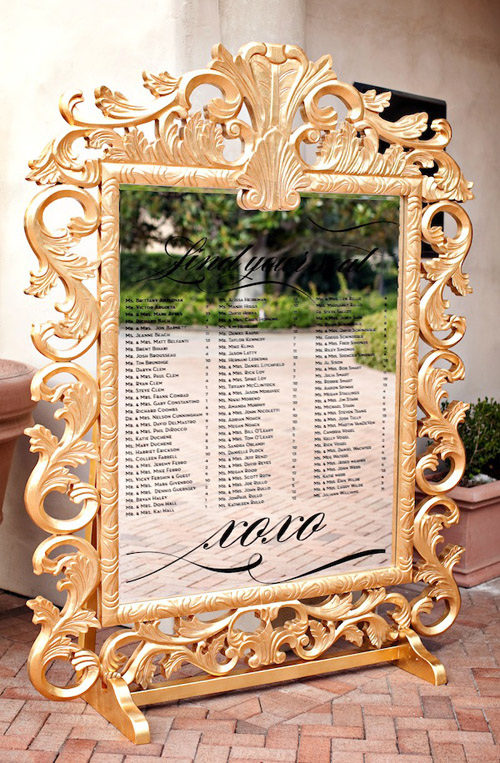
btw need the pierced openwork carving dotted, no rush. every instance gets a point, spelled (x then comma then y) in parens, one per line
(262, 89)
(218, 645)
(58, 262)
(273, 82)
(81, 576)
(445, 270)
(80, 409)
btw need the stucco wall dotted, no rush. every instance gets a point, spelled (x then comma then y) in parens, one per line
(447, 50)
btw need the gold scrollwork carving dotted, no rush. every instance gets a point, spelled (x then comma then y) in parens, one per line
(217, 646)
(262, 89)
(442, 271)
(58, 261)
(440, 424)
(80, 409)
(274, 83)
(79, 397)
(81, 576)
(433, 568)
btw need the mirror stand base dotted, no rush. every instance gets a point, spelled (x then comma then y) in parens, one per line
(421, 662)
(114, 702)
(120, 706)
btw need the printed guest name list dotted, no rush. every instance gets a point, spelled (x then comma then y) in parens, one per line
(235, 421)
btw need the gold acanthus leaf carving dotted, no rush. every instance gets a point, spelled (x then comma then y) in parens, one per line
(272, 177)
(440, 425)
(274, 83)
(114, 104)
(79, 410)
(443, 271)
(160, 84)
(59, 162)
(217, 646)
(346, 152)
(377, 102)
(59, 262)
(448, 181)
(198, 142)
(436, 570)
(81, 576)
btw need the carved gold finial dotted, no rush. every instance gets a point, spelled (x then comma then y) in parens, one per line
(273, 83)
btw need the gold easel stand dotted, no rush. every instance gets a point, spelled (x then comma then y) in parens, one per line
(120, 706)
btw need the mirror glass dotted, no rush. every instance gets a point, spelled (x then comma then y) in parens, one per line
(257, 387)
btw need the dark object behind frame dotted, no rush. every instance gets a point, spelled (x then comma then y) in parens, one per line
(402, 104)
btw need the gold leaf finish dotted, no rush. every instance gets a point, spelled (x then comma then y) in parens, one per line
(217, 646)
(445, 270)
(440, 425)
(81, 576)
(80, 409)
(435, 569)
(274, 84)
(58, 262)
(273, 176)
(270, 103)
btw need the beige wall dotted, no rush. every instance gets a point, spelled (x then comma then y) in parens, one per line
(447, 49)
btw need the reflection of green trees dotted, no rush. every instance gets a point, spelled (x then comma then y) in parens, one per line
(146, 213)
(380, 337)
(281, 310)
(148, 216)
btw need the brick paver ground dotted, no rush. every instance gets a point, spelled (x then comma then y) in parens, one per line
(373, 715)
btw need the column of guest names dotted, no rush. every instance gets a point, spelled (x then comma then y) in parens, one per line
(223, 416)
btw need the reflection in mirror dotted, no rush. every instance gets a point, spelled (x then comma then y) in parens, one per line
(257, 384)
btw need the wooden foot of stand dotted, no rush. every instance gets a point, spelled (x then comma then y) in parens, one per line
(421, 662)
(114, 702)
(120, 706)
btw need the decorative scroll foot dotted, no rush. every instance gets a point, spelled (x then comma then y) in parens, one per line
(114, 702)
(419, 661)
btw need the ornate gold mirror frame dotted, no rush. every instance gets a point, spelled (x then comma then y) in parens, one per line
(87, 165)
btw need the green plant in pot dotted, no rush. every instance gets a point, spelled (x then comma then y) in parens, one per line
(478, 495)
(480, 433)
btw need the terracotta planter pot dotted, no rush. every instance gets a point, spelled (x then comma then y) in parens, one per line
(15, 413)
(478, 532)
